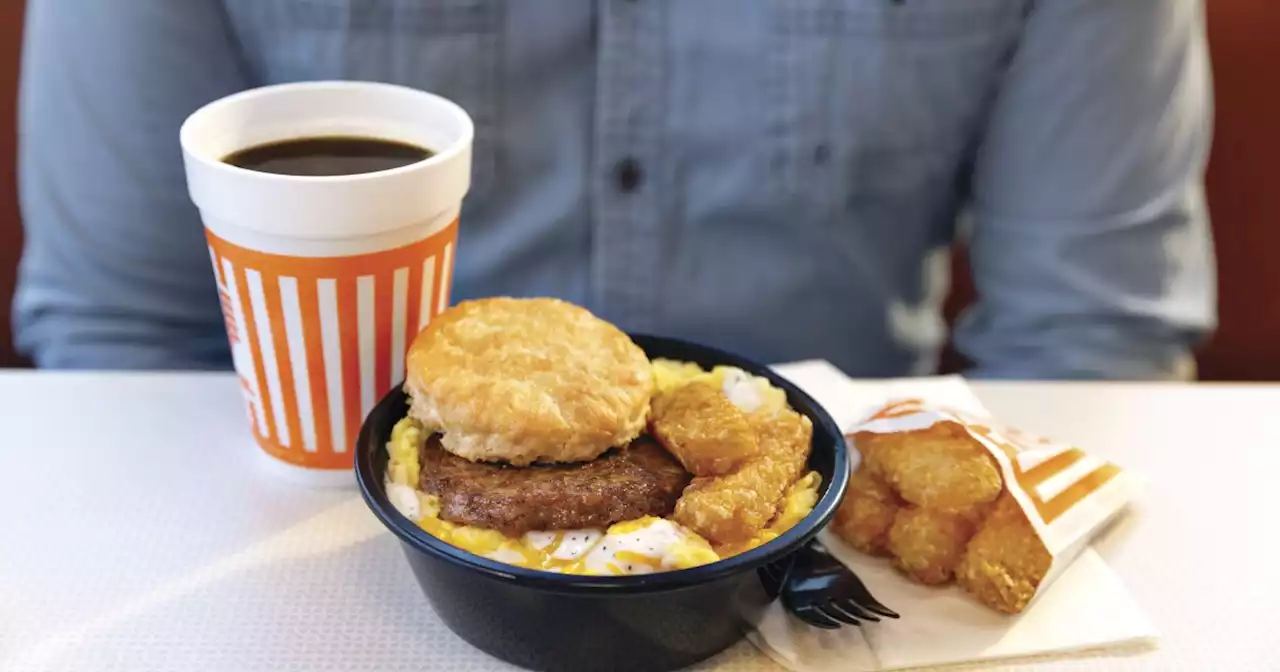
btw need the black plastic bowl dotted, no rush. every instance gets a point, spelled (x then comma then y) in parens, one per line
(547, 621)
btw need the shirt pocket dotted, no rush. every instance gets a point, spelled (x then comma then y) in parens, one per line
(448, 47)
(873, 103)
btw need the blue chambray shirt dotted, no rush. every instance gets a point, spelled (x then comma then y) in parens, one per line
(777, 177)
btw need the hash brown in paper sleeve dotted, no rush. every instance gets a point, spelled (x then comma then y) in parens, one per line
(952, 496)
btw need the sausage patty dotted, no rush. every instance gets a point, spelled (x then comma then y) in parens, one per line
(623, 484)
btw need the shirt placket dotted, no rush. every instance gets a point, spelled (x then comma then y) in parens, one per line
(627, 184)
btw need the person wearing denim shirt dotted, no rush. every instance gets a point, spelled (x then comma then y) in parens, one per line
(779, 178)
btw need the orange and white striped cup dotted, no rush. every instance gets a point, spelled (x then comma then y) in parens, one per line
(325, 280)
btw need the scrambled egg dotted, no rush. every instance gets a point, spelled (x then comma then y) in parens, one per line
(747, 392)
(798, 501)
(640, 546)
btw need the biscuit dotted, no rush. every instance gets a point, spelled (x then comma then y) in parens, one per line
(527, 380)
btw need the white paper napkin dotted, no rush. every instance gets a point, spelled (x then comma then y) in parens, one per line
(1086, 609)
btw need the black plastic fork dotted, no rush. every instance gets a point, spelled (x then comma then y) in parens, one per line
(817, 589)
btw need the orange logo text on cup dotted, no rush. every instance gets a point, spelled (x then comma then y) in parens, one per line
(318, 340)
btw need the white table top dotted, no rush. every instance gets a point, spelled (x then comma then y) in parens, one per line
(139, 532)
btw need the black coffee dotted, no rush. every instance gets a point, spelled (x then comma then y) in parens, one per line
(331, 155)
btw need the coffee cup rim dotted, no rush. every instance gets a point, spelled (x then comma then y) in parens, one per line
(192, 147)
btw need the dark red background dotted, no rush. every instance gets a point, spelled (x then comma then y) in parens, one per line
(1246, 213)
(10, 230)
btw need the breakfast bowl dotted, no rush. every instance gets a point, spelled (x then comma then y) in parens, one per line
(552, 621)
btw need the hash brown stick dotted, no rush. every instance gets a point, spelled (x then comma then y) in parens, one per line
(927, 545)
(731, 509)
(866, 513)
(941, 467)
(703, 429)
(1005, 561)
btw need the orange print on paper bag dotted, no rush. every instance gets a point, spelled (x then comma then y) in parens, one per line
(1049, 480)
(317, 341)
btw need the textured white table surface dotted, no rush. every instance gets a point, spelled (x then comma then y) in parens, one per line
(139, 532)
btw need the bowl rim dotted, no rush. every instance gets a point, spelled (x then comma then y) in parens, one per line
(374, 494)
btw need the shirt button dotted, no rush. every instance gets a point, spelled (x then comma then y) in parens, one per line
(629, 174)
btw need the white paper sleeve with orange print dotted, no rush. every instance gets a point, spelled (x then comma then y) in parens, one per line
(1066, 494)
(318, 340)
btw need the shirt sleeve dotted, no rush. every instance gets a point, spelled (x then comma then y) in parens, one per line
(116, 273)
(1091, 248)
